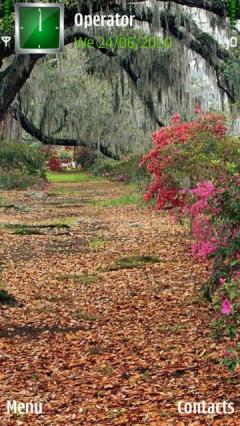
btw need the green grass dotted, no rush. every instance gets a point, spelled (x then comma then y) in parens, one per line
(96, 243)
(173, 328)
(67, 221)
(85, 279)
(121, 201)
(71, 177)
(85, 316)
(21, 229)
(5, 204)
(2, 202)
(133, 262)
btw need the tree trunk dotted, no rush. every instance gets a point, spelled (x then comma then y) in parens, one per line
(10, 128)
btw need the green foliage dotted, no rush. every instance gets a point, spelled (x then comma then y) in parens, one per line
(22, 229)
(226, 262)
(230, 68)
(6, 298)
(21, 165)
(232, 358)
(16, 179)
(128, 169)
(217, 155)
(65, 155)
(3, 202)
(101, 166)
(21, 156)
(83, 100)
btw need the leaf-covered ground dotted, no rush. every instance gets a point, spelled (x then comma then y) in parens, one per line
(109, 328)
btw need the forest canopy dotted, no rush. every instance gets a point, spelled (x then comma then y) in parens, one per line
(142, 87)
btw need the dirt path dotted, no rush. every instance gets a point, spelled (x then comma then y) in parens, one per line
(97, 344)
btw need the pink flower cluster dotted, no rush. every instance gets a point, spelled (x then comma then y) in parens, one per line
(158, 159)
(197, 207)
(201, 226)
(204, 190)
(226, 307)
(203, 248)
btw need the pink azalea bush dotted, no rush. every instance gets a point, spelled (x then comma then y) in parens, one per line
(194, 171)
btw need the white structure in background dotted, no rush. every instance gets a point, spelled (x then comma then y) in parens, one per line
(70, 165)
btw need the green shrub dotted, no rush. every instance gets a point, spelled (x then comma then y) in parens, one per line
(16, 179)
(127, 171)
(21, 156)
(65, 155)
(102, 166)
(21, 165)
(205, 158)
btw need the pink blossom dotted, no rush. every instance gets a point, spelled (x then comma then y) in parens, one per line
(202, 248)
(204, 190)
(174, 219)
(222, 280)
(198, 207)
(226, 307)
(201, 228)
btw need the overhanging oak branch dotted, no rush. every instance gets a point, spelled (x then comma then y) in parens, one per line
(36, 133)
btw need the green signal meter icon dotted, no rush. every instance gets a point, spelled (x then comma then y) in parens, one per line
(39, 28)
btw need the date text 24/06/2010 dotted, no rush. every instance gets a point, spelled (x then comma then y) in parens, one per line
(124, 42)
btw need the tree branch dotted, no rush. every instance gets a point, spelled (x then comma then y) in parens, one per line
(215, 6)
(36, 133)
(186, 31)
(70, 35)
(13, 78)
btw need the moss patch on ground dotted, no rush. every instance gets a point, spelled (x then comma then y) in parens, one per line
(131, 262)
(85, 279)
(22, 229)
(121, 201)
(6, 298)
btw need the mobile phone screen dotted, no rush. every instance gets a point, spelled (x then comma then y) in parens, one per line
(119, 212)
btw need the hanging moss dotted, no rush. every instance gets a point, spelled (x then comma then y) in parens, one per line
(98, 94)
